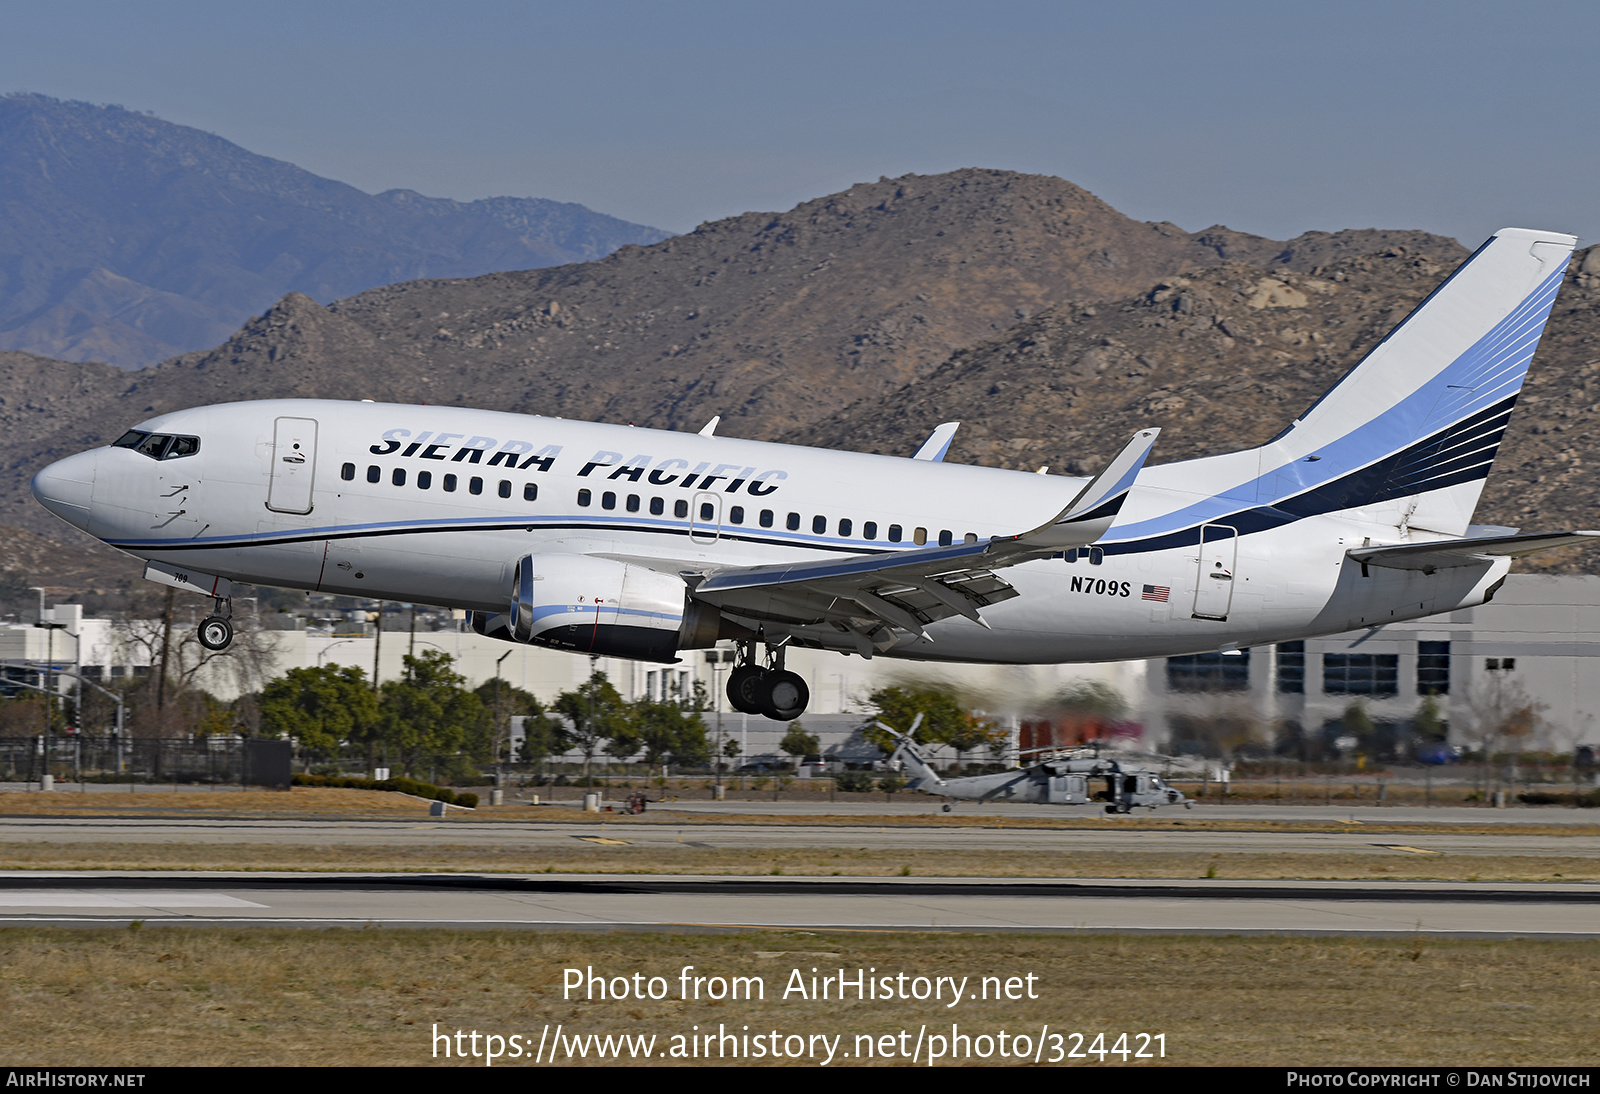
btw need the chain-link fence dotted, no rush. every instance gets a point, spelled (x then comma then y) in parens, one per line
(220, 760)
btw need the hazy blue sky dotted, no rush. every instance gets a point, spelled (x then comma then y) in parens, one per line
(1275, 118)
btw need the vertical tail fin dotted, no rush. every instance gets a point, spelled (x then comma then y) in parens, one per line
(1419, 420)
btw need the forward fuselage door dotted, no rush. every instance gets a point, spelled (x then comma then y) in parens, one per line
(1219, 551)
(705, 517)
(294, 464)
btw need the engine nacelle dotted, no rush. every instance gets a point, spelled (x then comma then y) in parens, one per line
(595, 605)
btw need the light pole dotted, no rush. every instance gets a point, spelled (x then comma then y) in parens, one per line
(50, 628)
(499, 716)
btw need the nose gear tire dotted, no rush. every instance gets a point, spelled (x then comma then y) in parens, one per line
(216, 633)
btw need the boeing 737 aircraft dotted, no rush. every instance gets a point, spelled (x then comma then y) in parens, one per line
(642, 543)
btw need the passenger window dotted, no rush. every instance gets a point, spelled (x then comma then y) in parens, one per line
(766, 518)
(1070, 556)
(794, 522)
(919, 537)
(945, 538)
(680, 509)
(424, 480)
(657, 507)
(374, 473)
(530, 491)
(870, 529)
(399, 476)
(970, 537)
(708, 512)
(894, 533)
(584, 497)
(819, 525)
(608, 500)
(348, 472)
(736, 514)
(449, 484)
(845, 526)
(633, 503)
(1096, 556)
(475, 486)
(505, 488)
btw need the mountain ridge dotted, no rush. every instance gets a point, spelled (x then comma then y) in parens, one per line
(203, 233)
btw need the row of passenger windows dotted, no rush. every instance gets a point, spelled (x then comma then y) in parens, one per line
(633, 503)
(766, 518)
(448, 483)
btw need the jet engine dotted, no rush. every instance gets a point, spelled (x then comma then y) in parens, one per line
(595, 605)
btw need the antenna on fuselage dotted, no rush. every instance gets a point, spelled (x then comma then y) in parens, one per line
(710, 428)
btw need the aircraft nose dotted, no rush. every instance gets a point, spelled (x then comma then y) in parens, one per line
(66, 486)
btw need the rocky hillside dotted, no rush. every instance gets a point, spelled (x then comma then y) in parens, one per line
(1049, 323)
(1223, 359)
(127, 239)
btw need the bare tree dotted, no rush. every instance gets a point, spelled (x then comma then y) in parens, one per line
(157, 629)
(1506, 718)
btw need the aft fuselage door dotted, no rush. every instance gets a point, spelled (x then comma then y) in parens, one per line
(1219, 550)
(294, 464)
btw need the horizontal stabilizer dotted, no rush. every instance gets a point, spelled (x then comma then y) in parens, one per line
(1443, 554)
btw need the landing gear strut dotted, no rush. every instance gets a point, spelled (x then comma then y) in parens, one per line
(770, 690)
(216, 629)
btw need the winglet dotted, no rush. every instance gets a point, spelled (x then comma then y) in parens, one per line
(1097, 504)
(938, 442)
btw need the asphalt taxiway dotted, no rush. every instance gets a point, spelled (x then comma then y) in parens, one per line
(613, 902)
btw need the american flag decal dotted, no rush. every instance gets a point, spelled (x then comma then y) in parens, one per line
(1157, 593)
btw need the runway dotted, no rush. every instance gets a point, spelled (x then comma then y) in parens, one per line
(635, 902)
(534, 835)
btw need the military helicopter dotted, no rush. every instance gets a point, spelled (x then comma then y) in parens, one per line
(1053, 782)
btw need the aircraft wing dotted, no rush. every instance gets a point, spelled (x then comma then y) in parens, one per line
(1464, 552)
(909, 589)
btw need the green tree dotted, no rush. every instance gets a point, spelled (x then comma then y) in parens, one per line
(1429, 722)
(671, 732)
(800, 744)
(945, 719)
(503, 702)
(428, 712)
(1359, 725)
(320, 708)
(1094, 698)
(597, 714)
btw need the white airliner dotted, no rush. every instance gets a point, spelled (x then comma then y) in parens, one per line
(643, 543)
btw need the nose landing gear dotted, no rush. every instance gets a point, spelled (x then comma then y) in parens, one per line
(216, 629)
(770, 690)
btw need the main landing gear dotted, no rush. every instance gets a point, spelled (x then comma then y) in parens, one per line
(770, 690)
(216, 629)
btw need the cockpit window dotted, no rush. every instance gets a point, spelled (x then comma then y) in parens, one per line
(158, 446)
